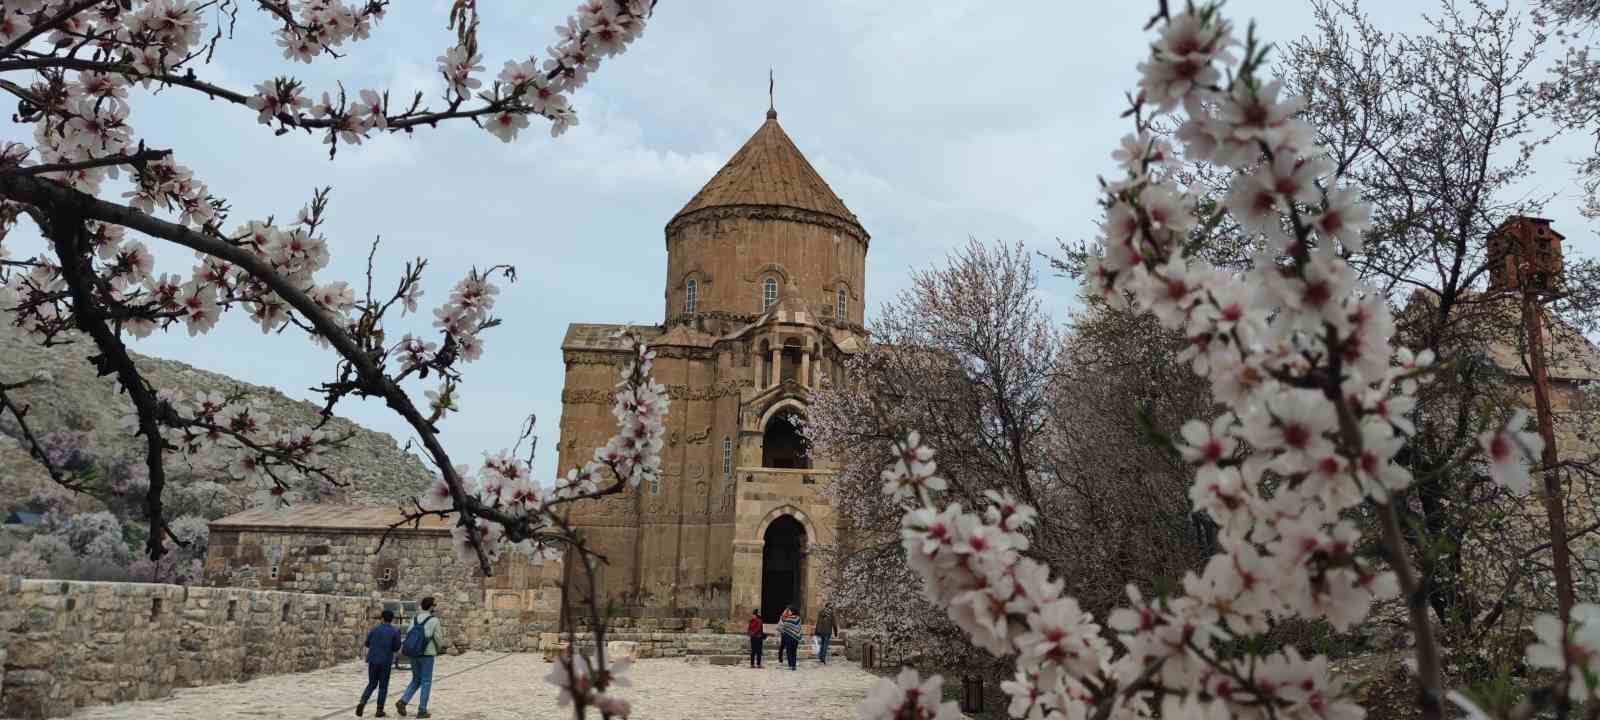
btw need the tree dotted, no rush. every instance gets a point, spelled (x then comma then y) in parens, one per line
(72, 66)
(1571, 96)
(968, 355)
(1314, 400)
(1435, 130)
(1121, 383)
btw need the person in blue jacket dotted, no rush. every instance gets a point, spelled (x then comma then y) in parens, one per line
(383, 641)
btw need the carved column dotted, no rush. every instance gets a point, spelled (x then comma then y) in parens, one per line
(805, 367)
(755, 367)
(777, 364)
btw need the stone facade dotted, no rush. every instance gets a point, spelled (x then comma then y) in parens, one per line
(764, 290)
(68, 644)
(336, 549)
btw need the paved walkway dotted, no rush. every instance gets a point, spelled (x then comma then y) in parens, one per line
(496, 686)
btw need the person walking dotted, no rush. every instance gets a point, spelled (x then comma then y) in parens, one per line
(791, 635)
(824, 630)
(757, 631)
(383, 641)
(422, 645)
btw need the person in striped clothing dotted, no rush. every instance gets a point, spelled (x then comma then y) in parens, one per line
(790, 625)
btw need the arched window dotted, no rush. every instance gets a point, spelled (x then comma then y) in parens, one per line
(691, 295)
(727, 456)
(840, 306)
(769, 293)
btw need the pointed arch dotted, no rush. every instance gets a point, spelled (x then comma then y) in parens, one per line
(788, 510)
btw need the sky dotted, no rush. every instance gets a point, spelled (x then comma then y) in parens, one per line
(934, 122)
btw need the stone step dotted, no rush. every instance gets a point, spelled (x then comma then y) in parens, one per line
(769, 657)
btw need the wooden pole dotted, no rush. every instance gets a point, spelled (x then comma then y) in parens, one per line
(1555, 506)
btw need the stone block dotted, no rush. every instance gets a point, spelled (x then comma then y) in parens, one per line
(30, 654)
(28, 679)
(622, 650)
(553, 652)
(99, 671)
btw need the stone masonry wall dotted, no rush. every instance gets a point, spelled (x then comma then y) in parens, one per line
(69, 644)
(506, 611)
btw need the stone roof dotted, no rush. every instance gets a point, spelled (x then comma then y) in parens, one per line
(314, 517)
(1568, 354)
(603, 336)
(789, 308)
(770, 171)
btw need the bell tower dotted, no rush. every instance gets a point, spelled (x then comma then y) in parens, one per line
(1525, 252)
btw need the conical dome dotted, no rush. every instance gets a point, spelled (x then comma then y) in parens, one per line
(766, 221)
(769, 171)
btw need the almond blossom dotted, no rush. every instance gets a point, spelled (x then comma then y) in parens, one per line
(1299, 356)
(1508, 450)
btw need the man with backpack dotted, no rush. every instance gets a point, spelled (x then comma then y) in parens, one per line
(422, 644)
(383, 640)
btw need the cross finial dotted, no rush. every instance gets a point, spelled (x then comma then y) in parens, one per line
(772, 108)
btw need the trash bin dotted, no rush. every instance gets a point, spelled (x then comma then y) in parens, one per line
(404, 610)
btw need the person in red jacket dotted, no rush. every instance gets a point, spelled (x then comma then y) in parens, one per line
(758, 634)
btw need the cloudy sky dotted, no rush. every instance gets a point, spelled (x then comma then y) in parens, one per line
(933, 121)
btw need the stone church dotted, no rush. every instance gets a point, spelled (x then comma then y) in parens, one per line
(764, 291)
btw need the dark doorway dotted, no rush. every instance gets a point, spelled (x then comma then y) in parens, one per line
(782, 446)
(783, 568)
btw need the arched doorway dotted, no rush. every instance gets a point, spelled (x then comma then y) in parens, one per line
(782, 445)
(783, 552)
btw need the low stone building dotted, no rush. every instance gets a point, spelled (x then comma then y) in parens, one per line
(343, 550)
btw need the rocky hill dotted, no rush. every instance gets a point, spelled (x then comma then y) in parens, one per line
(76, 399)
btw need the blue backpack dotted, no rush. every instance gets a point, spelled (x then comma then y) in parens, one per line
(416, 642)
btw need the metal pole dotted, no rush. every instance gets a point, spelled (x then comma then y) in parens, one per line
(1554, 506)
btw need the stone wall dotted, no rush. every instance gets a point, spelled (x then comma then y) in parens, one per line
(506, 611)
(68, 644)
(766, 494)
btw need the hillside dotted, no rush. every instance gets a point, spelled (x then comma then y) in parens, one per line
(76, 399)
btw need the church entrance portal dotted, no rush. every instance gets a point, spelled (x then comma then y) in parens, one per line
(783, 568)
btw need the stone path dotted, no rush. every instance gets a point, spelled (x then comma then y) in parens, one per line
(498, 686)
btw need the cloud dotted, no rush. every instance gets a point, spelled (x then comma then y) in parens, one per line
(933, 122)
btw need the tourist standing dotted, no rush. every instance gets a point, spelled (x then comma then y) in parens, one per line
(757, 631)
(422, 645)
(783, 642)
(383, 640)
(791, 634)
(824, 630)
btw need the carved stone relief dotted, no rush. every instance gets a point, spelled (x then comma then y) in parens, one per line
(598, 396)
